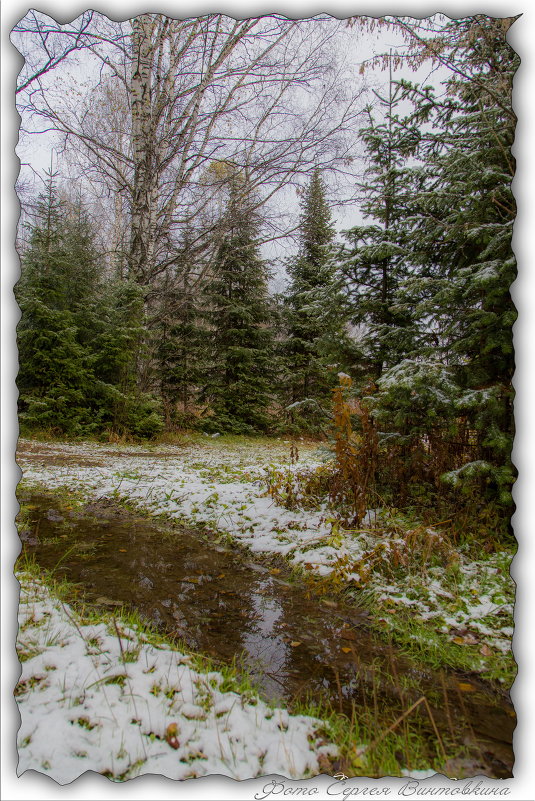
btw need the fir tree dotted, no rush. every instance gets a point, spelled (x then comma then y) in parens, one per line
(56, 379)
(377, 262)
(314, 302)
(239, 340)
(455, 385)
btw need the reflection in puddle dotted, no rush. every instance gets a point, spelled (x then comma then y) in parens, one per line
(223, 605)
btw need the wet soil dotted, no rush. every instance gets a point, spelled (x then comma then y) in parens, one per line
(296, 645)
(45, 453)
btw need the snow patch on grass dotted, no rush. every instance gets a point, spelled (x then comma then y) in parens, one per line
(92, 700)
(223, 486)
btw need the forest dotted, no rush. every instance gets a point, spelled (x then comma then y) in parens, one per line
(265, 295)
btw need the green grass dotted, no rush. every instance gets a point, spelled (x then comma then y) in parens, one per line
(423, 644)
(422, 640)
(385, 758)
(69, 498)
(367, 746)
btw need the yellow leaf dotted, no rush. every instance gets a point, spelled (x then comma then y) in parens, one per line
(346, 650)
(171, 735)
(466, 639)
(275, 571)
(466, 688)
(122, 550)
(295, 643)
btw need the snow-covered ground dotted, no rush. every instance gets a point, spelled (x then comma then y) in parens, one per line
(96, 697)
(224, 486)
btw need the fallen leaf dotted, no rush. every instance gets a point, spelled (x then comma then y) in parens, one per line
(358, 759)
(348, 634)
(467, 639)
(485, 650)
(346, 650)
(295, 643)
(171, 735)
(196, 755)
(466, 688)
(325, 764)
(122, 550)
(275, 571)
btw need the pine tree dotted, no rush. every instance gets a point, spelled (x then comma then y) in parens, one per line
(314, 303)
(239, 340)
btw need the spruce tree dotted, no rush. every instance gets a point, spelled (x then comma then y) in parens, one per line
(239, 339)
(457, 382)
(57, 286)
(180, 342)
(377, 262)
(76, 339)
(471, 213)
(314, 315)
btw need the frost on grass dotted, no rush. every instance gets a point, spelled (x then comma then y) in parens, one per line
(95, 698)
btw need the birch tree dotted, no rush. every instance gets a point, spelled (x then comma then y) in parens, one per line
(144, 150)
(265, 95)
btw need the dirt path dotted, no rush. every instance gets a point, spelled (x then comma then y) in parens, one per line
(225, 605)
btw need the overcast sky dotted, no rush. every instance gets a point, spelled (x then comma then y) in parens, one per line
(37, 152)
(33, 786)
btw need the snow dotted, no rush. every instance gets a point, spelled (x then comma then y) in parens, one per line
(224, 488)
(418, 774)
(91, 701)
(204, 493)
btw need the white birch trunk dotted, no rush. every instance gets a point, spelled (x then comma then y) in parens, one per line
(144, 194)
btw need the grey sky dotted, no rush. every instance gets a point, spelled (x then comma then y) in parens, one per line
(32, 786)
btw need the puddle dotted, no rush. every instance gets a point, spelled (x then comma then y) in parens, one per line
(225, 605)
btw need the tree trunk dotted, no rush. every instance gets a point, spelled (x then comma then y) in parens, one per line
(144, 194)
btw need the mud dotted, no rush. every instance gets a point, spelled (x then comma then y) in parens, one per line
(222, 603)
